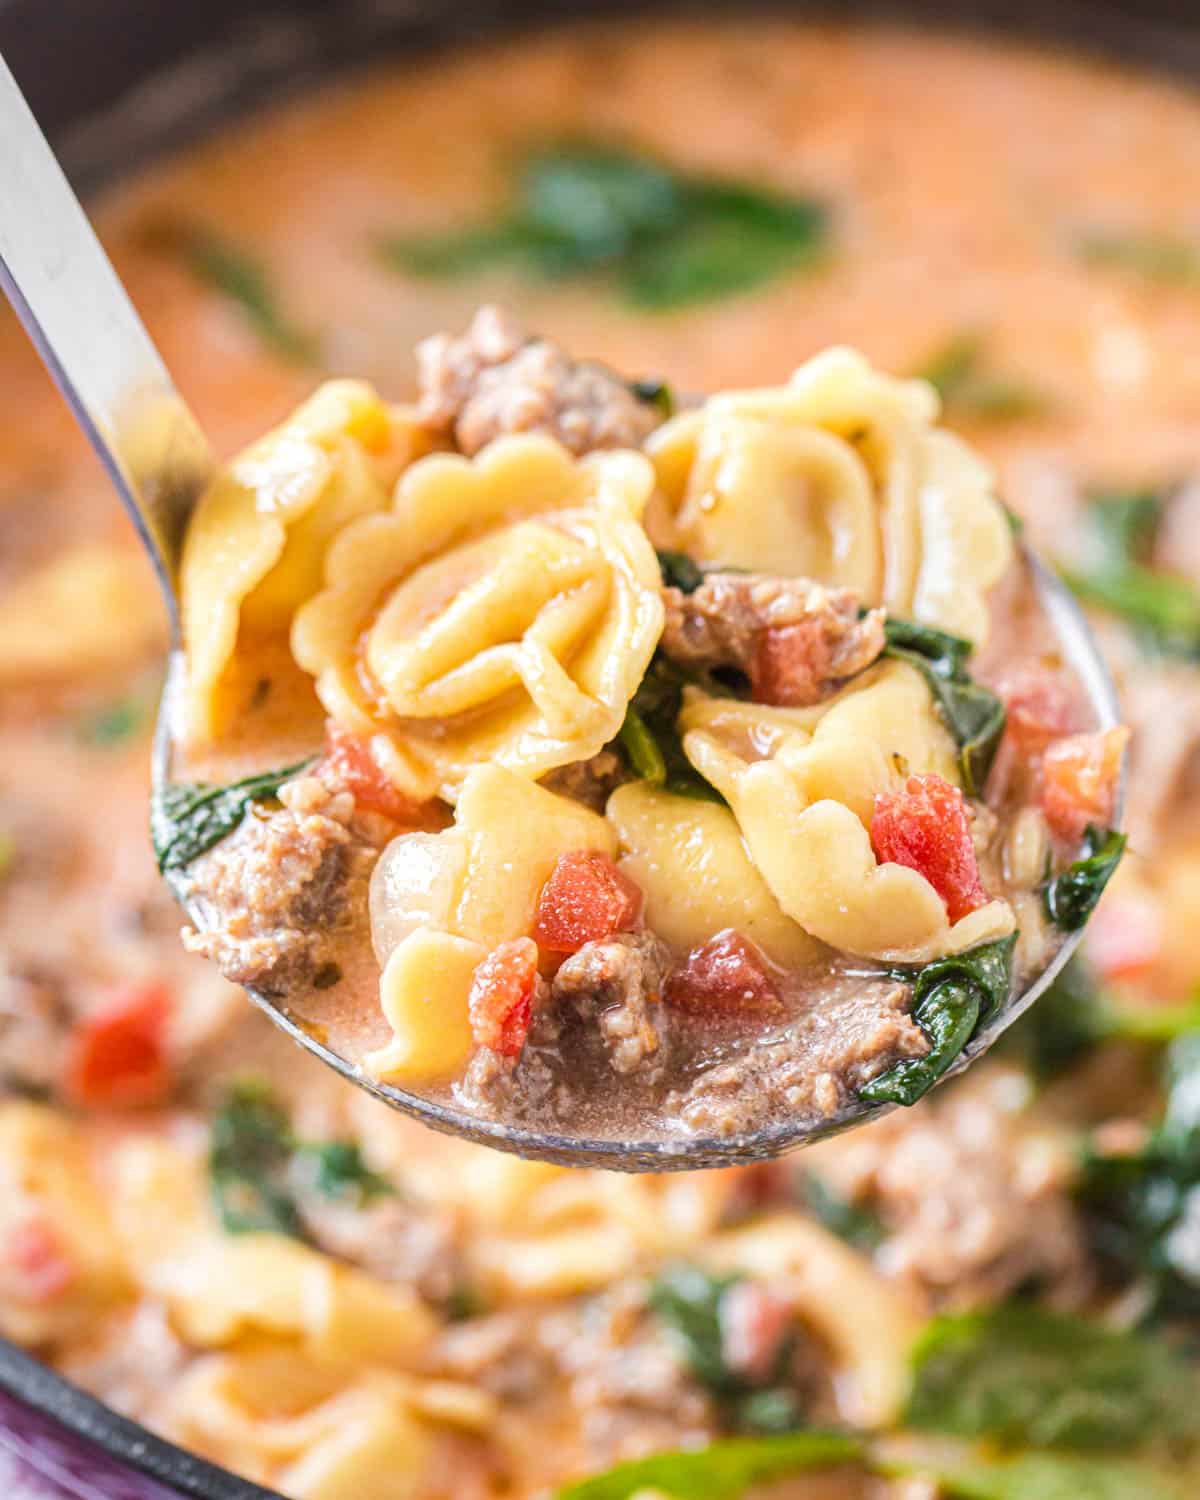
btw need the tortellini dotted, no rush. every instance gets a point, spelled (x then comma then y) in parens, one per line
(440, 902)
(802, 785)
(503, 611)
(840, 476)
(688, 859)
(256, 545)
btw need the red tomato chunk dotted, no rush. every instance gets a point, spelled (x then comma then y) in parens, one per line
(1040, 707)
(34, 1263)
(501, 998)
(585, 900)
(351, 765)
(927, 827)
(725, 976)
(1079, 781)
(118, 1056)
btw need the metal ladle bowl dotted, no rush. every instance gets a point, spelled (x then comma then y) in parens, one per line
(77, 313)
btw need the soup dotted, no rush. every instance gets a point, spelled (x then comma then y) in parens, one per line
(709, 839)
(216, 1235)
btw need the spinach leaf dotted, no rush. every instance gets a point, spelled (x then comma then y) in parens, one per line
(1020, 1375)
(857, 1226)
(952, 998)
(188, 818)
(687, 1299)
(973, 714)
(250, 1150)
(259, 1173)
(649, 736)
(336, 1169)
(1157, 257)
(957, 371)
(656, 393)
(1162, 609)
(1070, 898)
(117, 723)
(1142, 1208)
(680, 572)
(723, 1470)
(240, 278)
(668, 238)
(1039, 1476)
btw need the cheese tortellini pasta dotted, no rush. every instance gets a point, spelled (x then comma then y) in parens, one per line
(255, 548)
(503, 610)
(802, 784)
(840, 476)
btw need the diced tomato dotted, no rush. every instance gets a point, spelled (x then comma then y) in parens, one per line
(117, 1057)
(585, 900)
(786, 666)
(1079, 780)
(1125, 937)
(501, 999)
(1040, 706)
(34, 1261)
(725, 976)
(927, 827)
(350, 764)
(754, 1325)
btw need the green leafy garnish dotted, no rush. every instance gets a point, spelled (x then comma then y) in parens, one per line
(336, 1169)
(1070, 898)
(250, 1150)
(973, 714)
(1023, 1376)
(1157, 257)
(1142, 1207)
(952, 998)
(680, 572)
(857, 1226)
(1037, 1476)
(722, 1470)
(668, 238)
(650, 739)
(656, 393)
(259, 1172)
(1162, 609)
(188, 818)
(117, 722)
(241, 279)
(687, 1299)
(958, 372)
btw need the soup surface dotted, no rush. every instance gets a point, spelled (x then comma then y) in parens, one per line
(218, 1237)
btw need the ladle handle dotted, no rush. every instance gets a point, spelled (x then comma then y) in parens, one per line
(74, 308)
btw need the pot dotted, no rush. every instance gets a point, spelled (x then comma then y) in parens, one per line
(116, 82)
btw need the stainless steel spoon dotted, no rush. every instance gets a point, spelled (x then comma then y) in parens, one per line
(77, 313)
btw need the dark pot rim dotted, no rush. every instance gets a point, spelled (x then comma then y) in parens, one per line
(245, 65)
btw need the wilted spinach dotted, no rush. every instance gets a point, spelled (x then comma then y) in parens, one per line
(1023, 1376)
(973, 714)
(649, 737)
(856, 1225)
(952, 998)
(259, 1171)
(669, 238)
(1070, 898)
(722, 1470)
(188, 818)
(687, 1299)
(1163, 610)
(680, 572)
(958, 372)
(1142, 1208)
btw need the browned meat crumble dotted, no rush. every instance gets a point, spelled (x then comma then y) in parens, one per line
(616, 985)
(723, 623)
(493, 380)
(813, 1066)
(591, 781)
(283, 885)
(35, 1023)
